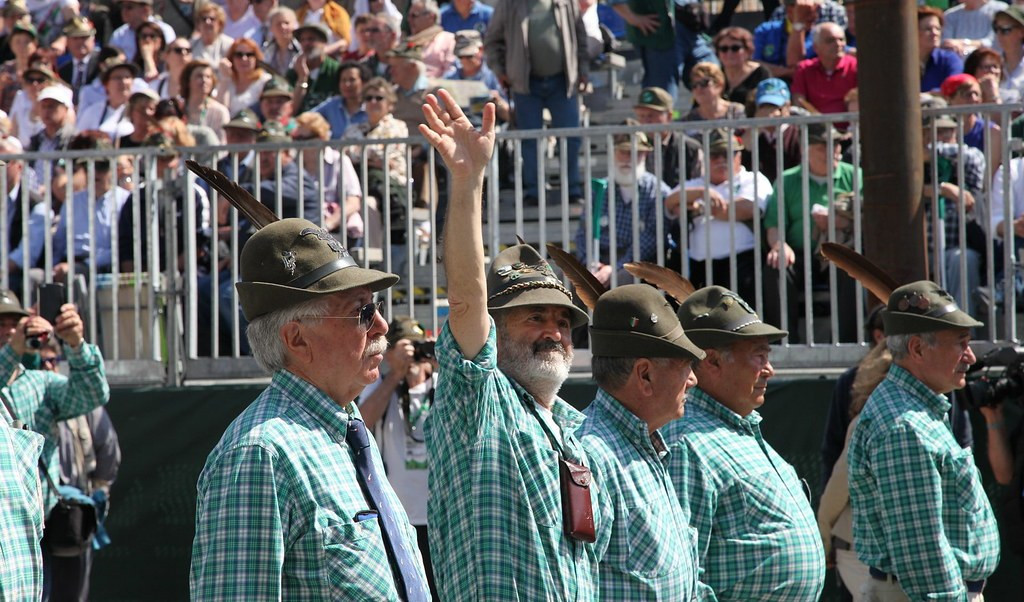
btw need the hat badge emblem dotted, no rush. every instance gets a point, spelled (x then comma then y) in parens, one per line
(654, 318)
(634, 321)
(288, 258)
(325, 236)
(913, 300)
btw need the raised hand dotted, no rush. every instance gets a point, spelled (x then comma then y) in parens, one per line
(465, 150)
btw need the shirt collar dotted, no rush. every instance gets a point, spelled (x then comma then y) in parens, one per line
(324, 409)
(628, 424)
(566, 417)
(935, 403)
(699, 398)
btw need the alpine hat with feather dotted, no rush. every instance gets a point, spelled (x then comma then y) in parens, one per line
(519, 276)
(923, 306)
(635, 320)
(715, 317)
(294, 260)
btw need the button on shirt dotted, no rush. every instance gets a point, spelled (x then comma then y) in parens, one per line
(279, 507)
(757, 538)
(645, 548)
(495, 510)
(919, 509)
(715, 234)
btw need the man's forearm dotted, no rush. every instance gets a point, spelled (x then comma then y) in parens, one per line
(464, 266)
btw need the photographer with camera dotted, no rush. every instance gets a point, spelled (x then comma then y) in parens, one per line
(40, 398)
(396, 407)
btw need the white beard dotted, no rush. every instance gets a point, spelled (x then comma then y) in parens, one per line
(626, 176)
(540, 371)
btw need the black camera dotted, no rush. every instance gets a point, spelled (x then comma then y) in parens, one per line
(995, 378)
(422, 350)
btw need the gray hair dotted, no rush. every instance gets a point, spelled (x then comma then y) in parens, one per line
(899, 344)
(264, 332)
(281, 10)
(817, 28)
(612, 373)
(391, 22)
(724, 352)
(429, 6)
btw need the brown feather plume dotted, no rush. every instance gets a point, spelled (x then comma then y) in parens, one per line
(670, 281)
(587, 286)
(862, 269)
(256, 211)
(520, 240)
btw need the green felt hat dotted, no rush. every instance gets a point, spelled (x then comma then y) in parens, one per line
(244, 120)
(9, 304)
(715, 317)
(294, 260)
(405, 327)
(635, 320)
(921, 307)
(519, 276)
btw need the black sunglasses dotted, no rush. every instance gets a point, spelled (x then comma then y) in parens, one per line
(181, 50)
(703, 83)
(367, 314)
(243, 55)
(35, 80)
(732, 48)
(372, 97)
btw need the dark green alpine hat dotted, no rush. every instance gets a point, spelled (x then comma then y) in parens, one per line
(294, 260)
(635, 320)
(715, 316)
(923, 306)
(519, 276)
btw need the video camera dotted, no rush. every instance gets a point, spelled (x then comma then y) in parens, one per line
(995, 378)
(422, 350)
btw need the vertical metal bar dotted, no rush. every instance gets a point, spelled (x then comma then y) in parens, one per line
(634, 213)
(659, 200)
(780, 214)
(833, 282)
(72, 259)
(518, 148)
(613, 243)
(805, 190)
(4, 234)
(858, 227)
(755, 164)
(137, 221)
(732, 210)
(706, 209)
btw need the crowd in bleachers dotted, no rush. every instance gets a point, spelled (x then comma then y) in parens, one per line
(169, 75)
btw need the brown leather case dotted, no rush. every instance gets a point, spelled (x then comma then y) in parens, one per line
(577, 510)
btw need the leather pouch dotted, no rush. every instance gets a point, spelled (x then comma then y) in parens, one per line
(577, 509)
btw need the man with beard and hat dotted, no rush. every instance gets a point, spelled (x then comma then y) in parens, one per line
(293, 502)
(495, 512)
(757, 537)
(921, 518)
(642, 364)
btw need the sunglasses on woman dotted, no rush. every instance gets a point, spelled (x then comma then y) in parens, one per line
(703, 83)
(243, 55)
(732, 48)
(374, 98)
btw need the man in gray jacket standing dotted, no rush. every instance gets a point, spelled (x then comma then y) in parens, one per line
(537, 49)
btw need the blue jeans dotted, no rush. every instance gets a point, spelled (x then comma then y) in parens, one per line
(953, 277)
(661, 68)
(548, 93)
(692, 48)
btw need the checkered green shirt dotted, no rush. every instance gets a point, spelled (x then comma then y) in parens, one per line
(919, 510)
(645, 548)
(757, 538)
(495, 510)
(42, 398)
(277, 506)
(21, 520)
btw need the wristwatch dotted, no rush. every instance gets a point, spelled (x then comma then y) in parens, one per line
(799, 26)
(304, 85)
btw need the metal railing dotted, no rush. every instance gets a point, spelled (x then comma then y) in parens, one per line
(168, 312)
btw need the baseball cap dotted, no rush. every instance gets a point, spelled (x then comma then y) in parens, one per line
(772, 91)
(61, 94)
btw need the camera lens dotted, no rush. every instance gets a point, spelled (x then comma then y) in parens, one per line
(34, 342)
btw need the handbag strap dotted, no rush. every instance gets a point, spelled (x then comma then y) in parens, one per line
(555, 443)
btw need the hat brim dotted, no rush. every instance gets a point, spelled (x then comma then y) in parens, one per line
(908, 323)
(540, 296)
(6, 310)
(710, 338)
(776, 100)
(1008, 15)
(652, 106)
(618, 343)
(259, 298)
(314, 29)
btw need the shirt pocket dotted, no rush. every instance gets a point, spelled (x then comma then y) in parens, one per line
(962, 475)
(766, 502)
(538, 469)
(653, 548)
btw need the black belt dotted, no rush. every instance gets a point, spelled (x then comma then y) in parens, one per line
(838, 543)
(973, 587)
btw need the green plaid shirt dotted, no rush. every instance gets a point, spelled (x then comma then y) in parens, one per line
(495, 510)
(919, 510)
(757, 538)
(276, 514)
(21, 520)
(42, 398)
(646, 550)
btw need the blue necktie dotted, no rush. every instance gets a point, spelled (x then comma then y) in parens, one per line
(412, 584)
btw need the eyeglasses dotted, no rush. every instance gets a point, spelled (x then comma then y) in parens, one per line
(373, 98)
(367, 314)
(149, 36)
(49, 362)
(1002, 31)
(181, 50)
(372, 30)
(732, 48)
(35, 80)
(243, 55)
(703, 83)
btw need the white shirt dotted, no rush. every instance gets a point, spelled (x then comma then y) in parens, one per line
(237, 29)
(1016, 193)
(719, 230)
(1011, 89)
(403, 448)
(105, 118)
(95, 93)
(21, 113)
(124, 37)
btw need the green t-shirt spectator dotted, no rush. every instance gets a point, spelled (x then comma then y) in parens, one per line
(792, 184)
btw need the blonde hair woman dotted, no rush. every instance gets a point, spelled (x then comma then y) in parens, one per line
(212, 45)
(245, 84)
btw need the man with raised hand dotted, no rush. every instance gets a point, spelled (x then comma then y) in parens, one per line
(921, 519)
(641, 362)
(757, 538)
(495, 513)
